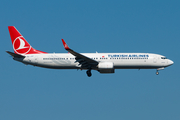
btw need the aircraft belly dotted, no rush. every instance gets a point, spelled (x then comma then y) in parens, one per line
(56, 64)
(136, 65)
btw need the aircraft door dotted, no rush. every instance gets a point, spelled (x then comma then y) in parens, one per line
(35, 60)
(155, 59)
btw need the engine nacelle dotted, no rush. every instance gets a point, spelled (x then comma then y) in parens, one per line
(106, 67)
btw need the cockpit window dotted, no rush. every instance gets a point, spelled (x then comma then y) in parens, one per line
(163, 58)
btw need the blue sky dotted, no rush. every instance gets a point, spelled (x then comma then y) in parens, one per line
(150, 26)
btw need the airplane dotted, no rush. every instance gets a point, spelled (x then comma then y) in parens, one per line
(101, 62)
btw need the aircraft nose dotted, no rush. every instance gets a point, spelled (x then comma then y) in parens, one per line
(170, 62)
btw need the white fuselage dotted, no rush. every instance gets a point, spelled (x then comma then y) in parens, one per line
(119, 60)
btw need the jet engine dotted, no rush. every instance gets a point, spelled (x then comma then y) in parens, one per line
(106, 67)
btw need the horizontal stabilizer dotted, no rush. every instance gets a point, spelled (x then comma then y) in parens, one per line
(15, 55)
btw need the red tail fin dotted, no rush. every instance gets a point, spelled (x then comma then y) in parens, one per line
(20, 45)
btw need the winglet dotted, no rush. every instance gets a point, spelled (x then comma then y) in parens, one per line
(65, 45)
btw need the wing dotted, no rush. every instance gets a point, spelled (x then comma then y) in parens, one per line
(84, 61)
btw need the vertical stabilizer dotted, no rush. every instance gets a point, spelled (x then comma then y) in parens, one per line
(20, 45)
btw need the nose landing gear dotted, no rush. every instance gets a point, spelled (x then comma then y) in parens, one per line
(157, 73)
